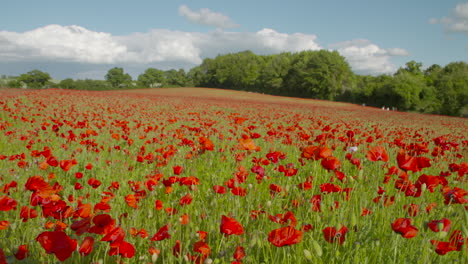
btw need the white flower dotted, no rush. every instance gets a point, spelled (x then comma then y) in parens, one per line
(352, 149)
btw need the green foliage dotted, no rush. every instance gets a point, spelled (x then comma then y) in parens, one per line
(117, 78)
(34, 79)
(174, 78)
(85, 84)
(452, 88)
(151, 78)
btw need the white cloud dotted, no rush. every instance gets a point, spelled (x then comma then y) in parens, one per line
(77, 44)
(457, 21)
(69, 43)
(205, 16)
(366, 57)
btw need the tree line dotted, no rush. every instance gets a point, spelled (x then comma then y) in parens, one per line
(309, 74)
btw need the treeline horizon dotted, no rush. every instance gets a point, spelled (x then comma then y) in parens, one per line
(319, 74)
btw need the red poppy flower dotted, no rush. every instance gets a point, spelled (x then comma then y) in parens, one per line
(163, 233)
(284, 219)
(335, 236)
(288, 170)
(2, 257)
(443, 224)
(403, 227)
(274, 188)
(123, 249)
(184, 219)
(178, 170)
(307, 185)
(7, 203)
(330, 163)
(189, 181)
(187, 199)
(203, 248)
(114, 236)
(37, 184)
(229, 226)
(4, 224)
(410, 163)
(176, 249)
(455, 195)
(219, 189)
(377, 153)
(206, 144)
(86, 246)
(316, 201)
(316, 153)
(285, 236)
(103, 224)
(158, 205)
(455, 243)
(275, 156)
(239, 253)
(248, 144)
(66, 165)
(413, 209)
(58, 243)
(22, 252)
(239, 191)
(329, 188)
(93, 182)
(27, 213)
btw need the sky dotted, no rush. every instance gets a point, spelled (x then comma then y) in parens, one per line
(84, 39)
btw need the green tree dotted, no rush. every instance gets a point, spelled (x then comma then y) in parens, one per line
(151, 78)
(67, 84)
(174, 78)
(319, 74)
(117, 78)
(452, 89)
(273, 73)
(35, 79)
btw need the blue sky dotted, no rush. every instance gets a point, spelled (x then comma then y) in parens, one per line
(83, 39)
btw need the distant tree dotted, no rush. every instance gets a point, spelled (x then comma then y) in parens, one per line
(67, 84)
(273, 73)
(117, 78)
(452, 89)
(35, 79)
(319, 74)
(14, 84)
(175, 78)
(151, 78)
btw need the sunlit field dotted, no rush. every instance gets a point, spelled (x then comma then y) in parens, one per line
(192, 175)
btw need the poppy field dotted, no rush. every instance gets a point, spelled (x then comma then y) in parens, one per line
(210, 176)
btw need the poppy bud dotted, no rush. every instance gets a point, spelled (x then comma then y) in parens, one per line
(253, 241)
(423, 187)
(353, 220)
(464, 231)
(317, 248)
(208, 261)
(154, 257)
(441, 234)
(307, 254)
(360, 176)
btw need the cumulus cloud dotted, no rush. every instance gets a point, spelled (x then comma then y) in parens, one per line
(457, 21)
(207, 17)
(69, 43)
(367, 57)
(77, 44)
